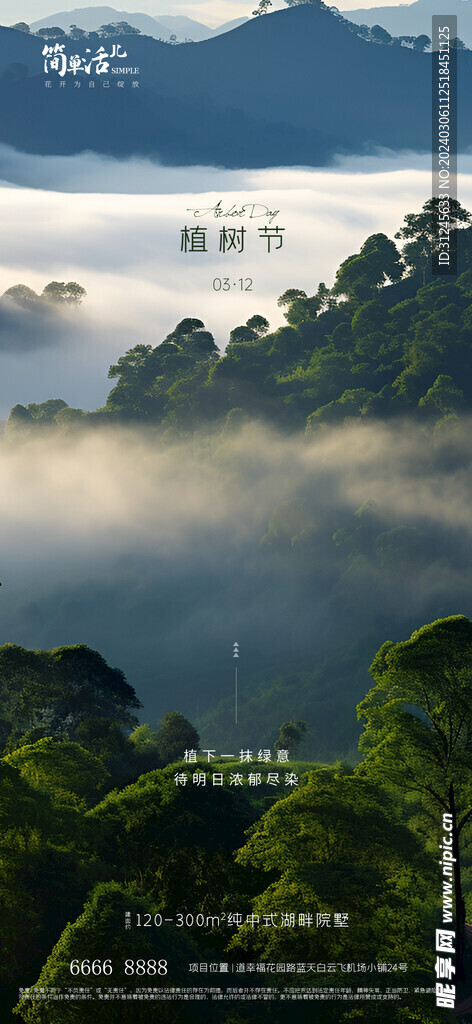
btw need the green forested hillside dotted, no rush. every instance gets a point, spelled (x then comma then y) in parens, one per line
(134, 886)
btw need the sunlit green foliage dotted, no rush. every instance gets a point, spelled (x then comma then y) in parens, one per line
(418, 729)
(339, 845)
(98, 935)
(60, 768)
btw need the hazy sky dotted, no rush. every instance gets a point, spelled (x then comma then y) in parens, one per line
(210, 12)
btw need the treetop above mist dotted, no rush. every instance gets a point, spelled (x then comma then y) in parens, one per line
(54, 293)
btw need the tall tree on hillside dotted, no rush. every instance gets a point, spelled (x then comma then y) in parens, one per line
(54, 32)
(420, 232)
(380, 35)
(118, 28)
(418, 730)
(290, 736)
(175, 735)
(360, 276)
(70, 294)
(76, 33)
(263, 7)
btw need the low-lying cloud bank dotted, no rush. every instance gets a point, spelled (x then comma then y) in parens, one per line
(90, 172)
(161, 555)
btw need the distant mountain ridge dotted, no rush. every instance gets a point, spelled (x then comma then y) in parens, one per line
(91, 18)
(183, 26)
(415, 19)
(253, 97)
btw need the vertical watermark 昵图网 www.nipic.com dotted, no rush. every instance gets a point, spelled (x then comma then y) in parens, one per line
(445, 937)
(444, 143)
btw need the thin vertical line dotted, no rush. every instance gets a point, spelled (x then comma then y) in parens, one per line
(236, 694)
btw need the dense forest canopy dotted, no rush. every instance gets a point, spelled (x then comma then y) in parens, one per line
(347, 846)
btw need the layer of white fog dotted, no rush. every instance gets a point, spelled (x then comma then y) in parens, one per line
(160, 556)
(122, 243)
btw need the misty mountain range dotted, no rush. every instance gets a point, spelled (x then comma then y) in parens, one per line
(402, 19)
(162, 27)
(415, 19)
(253, 97)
